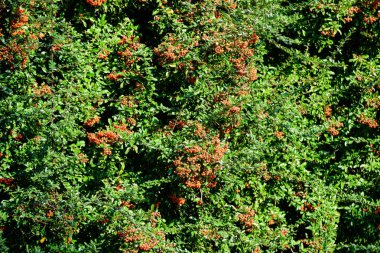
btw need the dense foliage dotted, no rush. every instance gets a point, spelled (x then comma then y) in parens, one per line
(189, 126)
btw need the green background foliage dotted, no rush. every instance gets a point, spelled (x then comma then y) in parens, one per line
(189, 126)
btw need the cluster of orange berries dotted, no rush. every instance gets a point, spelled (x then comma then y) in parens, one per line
(36, 138)
(150, 244)
(374, 103)
(103, 54)
(243, 53)
(104, 137)
(130, 41)
(106, 151)
(130, 235)
(101, 137)
(139, 86)
(234, 110)
(210, 234)
(333, 131)
(367, 19)
(197, 165)
(252, 74)
(228, 111)
(307, 207)
(254, 39)
(177, 124)
(56, 47)
(176, 200)
(15, 136)
(6, 181)
(134, 235)
(131, 121)
(200, 131)
(18, 27)
(44, 89)
(128, 101)
(113, 76)
(22, 20)
(49, 214)
(230, 3)
(83, 158)
(18, 137)
(107, 138)
(370, 20)
(170, 51)
(8, 53)
(316, 245)
(246, 218)
(354, 9)
(375, 5)
(333, 128)
(127, 204)
(92, 121)
(279, 135)
(222, 98)
(328, 33)
(127, 53)
(123, 127)
(347, 19)
(263, 172)
(372, 123)
(218, 49)
(96, 3)
(154, 216)
(328, 111)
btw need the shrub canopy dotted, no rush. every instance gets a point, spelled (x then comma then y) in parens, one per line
(189, 126)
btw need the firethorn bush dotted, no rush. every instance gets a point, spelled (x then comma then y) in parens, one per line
(189, 126)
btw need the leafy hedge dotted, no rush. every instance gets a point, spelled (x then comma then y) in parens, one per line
(189, 126)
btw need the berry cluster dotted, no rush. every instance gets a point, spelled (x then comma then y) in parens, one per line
(196, 166)
(246, 219)
(372, 123)
(96, 3)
